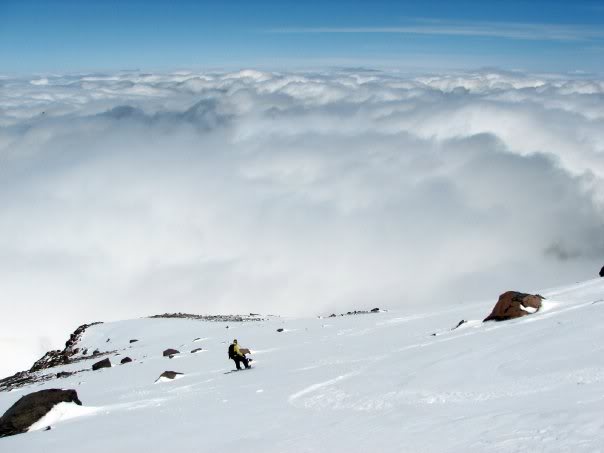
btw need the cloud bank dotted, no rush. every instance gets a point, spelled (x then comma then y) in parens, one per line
(129, 194)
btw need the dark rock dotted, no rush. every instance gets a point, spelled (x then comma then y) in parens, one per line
(602, 272)
(105, 363)
(108, 340)
(133, 340)
(64, 374)
(169, 375)
(375, 310)
(170, 352)
(31, 408)
(196, 350)
(280, 329)
(510, 303)
(197, 339)
(126, 360)
(48, 428)
(463, 321)
(96, 352)
(333, 315)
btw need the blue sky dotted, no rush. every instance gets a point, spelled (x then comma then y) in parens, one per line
(66, 35)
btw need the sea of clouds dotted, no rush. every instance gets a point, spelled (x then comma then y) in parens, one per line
(130, 194)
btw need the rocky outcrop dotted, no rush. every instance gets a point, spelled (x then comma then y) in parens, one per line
(56, 358)
(31, 408)
(105, 363)
(513, 304)
(70, 354)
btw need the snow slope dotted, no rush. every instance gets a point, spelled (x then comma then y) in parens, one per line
(375, 382)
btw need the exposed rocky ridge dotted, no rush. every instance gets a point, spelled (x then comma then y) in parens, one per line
(64, 357)
(356, 312)
(212, 318)
(52, 359)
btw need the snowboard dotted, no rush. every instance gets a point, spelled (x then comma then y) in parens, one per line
(236, 370)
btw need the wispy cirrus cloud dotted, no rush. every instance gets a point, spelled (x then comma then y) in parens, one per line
(504, 30)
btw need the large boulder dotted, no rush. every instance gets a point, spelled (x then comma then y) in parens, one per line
(31, 408)
(105, 363)
(513, 304)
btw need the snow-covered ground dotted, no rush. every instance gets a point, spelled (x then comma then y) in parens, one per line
(374, 382)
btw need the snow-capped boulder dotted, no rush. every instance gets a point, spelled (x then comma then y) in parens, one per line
(513, 304)
(105, 363)
(31, 408)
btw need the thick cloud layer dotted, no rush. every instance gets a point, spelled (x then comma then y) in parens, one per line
(302, 193)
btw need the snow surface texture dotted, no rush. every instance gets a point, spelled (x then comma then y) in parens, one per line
(130, 194)
(374, 382)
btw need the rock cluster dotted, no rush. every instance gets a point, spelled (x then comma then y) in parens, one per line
(213, 318)
(356, 312)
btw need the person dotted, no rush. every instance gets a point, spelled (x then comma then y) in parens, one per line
(236, 355)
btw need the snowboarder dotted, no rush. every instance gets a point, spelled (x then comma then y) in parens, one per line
(236, 355)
